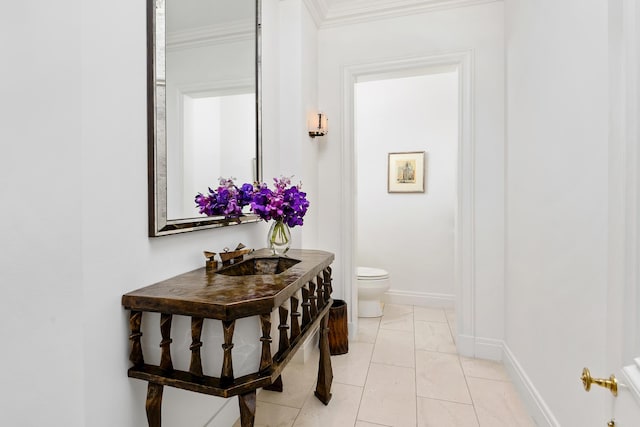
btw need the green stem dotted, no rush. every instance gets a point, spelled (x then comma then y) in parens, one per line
(279, 233)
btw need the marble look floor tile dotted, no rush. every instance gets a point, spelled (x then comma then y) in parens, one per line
(397, 317)
(352, 368)
(401, 322)
(397, 309)
(434, 336)
(438, 413)
(298, 381)
(389, 396)
(427, 314)
(396, 375)
(451, 319)
(270, 415)
(486, 369)
(394, 348)
(440, 376)
(341, 411)
(498, 404)
(450, 313)
(310, 367)
(453, 329)
(367, 329)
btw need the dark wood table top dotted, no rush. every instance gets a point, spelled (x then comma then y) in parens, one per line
(212, 295)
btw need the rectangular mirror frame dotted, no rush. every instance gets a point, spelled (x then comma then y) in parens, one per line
(159, 224)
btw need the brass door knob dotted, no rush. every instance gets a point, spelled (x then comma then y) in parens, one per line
(610, 384)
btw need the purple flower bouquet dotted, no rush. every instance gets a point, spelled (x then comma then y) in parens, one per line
(286, 205)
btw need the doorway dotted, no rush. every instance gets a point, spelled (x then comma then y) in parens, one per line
(406, 226)
(464, 235)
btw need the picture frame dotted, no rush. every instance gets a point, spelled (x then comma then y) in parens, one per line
(406, 172)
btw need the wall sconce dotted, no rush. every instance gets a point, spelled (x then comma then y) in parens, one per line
(317, 125)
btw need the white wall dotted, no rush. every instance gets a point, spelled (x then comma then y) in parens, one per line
(399, 231)
(73, 169)
(478, 29)
(557, 177)
(297, 37)
(118, 255)
(40, 220)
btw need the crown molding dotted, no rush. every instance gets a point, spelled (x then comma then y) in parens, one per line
(318, 10)
(227, 32)
(369, 10)
(217, 88)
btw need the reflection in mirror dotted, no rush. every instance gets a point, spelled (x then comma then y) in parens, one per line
(215, 141)
(205, 115)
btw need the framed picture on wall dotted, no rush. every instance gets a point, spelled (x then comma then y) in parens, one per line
(406, 172)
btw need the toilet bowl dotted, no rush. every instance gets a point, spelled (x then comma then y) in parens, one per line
(372, 283)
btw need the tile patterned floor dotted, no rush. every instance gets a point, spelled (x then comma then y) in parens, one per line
(401, 370)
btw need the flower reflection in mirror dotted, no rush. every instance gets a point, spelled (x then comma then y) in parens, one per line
(227, 199)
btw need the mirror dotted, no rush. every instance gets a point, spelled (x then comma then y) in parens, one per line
(204, 108)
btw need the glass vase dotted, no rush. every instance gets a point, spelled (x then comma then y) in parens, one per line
(279, 238)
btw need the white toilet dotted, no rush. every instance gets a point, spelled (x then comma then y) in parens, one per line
(372, 283)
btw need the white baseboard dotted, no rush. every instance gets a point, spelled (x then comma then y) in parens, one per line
(466, 345)
(488, 348)
(353, 331)
(492, 349)
(537, 407)
(423, 299)
(481, 348)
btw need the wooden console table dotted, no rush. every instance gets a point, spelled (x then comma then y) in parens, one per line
(253, 287)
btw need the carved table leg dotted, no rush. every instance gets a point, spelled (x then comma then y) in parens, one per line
(306, 309)
(327, 284)
(247, 403)
(312, 299)
(266, 361)
(282, 346)
(154, 404)
(165, 344)
(135, 320)
(325, 373)
(226, 377)
(196, 344)
(295, 322)
(277, 385)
